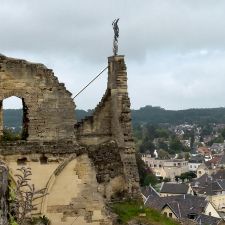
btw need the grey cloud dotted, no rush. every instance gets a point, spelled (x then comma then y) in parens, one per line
(183, 83)
(83, 28)
(174, 48)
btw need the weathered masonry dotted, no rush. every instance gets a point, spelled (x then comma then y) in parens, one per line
(83, 165)
(48, 107)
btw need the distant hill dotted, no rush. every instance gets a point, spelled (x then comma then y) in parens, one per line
(13, 117)
(156, 115)
(147, 114)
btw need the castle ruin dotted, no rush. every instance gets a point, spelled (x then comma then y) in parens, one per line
(82, 165)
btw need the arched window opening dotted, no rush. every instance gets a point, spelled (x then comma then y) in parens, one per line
(13, 119)
(43, 159)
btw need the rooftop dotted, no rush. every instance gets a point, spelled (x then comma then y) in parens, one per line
(174, 188)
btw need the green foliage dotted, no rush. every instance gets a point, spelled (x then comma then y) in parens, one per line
(145, 174)
(157, 115)
(13, 117)
(41, 219)
(186, 176)
(162, 145)
(81, 114)
(150, 178)
(147, 146)
(127, 211)
(175, 146)
(162, 133)
(206, 130)
(162, 154)
(149, 133)
(154, 131)
(147, 114)
(142, 169)
(189, 134)
(12, 194)
(10, 135)
(218, 139)
(12, 221)
(223, 133)
(186, 156)
(138, 131)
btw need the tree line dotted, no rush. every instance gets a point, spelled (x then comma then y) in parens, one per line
(147, 114)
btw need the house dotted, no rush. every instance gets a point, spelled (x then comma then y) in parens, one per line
(194, 162)
(206, 152)
(166, 168)
(186, 143)
(203, 169)
(221, 162)
(148, 191)
(214, 162)
(217, 161)
(217, 147)
(171, 189)
(219, 174)
(185, 207)
(211, 188)
(189, 208)
(209, 220)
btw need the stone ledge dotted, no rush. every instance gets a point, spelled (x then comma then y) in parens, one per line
(23, 147)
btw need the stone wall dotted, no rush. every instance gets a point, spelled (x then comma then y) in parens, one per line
(105, 157)
(96, 129)
(73, 193)
(3, 194)
(48, 107)
(83, 165)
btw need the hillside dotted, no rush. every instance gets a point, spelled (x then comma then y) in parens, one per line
(13, 117)
(156, 115)
(136, 213)
(147, 114)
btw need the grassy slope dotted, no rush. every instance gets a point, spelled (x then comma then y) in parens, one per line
(127, 211)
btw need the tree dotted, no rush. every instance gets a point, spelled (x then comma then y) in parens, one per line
(10, 135)
(223, 133)
(145, 174)
(150, 178)
(218, 139)
(150, 131)
(207, 130)
(186, 156)
(162, 154)
(186, 176)
(147, 145)
(142, 168)
(163, 145)
(175, 146)
(162, 133)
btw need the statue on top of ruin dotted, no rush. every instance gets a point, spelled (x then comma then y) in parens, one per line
(116, 36)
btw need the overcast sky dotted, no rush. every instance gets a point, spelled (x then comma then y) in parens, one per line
(174, 49)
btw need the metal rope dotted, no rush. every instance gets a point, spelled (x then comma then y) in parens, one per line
(90, 82)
